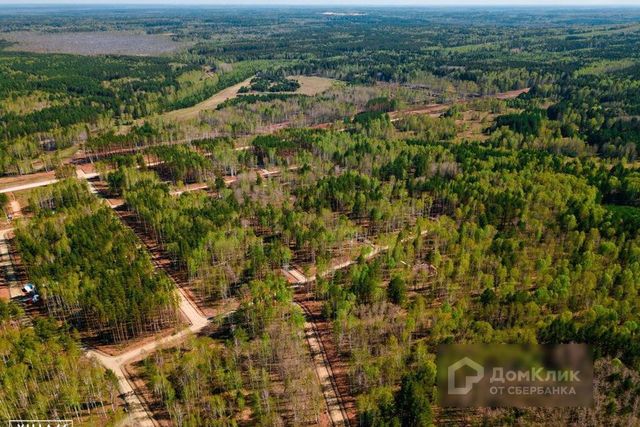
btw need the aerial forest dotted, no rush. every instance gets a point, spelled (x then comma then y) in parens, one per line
(277, 217)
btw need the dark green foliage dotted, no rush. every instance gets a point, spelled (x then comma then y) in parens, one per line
(181, 163)
(413, 403)
(528, 235)
(525, 123)
(271, 82)
(382, 104)
(397, 290)
(90, 269)
(78, 81)
(368, 116)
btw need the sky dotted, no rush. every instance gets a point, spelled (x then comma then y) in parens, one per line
(335, 3)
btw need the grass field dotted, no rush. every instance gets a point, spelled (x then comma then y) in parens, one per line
(309, 85)
(208, 104)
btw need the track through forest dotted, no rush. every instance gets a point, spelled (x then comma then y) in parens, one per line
(324, 370)
(139, 413)
(280, 222)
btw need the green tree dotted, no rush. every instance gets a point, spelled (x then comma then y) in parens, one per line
(397, 290)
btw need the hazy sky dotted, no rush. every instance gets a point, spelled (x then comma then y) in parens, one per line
(330, 3)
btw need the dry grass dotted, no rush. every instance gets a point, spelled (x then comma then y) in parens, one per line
(310, 85)
(473, 125)
(26, 104)
(208, 104)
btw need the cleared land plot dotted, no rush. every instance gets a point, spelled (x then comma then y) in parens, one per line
(309, 85)
(25, 182)
(92, 43)
(208, 104)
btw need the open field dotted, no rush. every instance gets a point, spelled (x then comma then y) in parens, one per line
(309, 85)
(312, 85)
(209, 104)
(92, 43)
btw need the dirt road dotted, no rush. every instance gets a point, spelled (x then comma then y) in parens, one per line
(335, 406)
(25, 182)
(138, 413)
(6, 266)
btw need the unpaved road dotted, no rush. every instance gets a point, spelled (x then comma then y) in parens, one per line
(25, 182)
(6, 265)
(335, 406)
(39, 179)
(301, 279)
(138, 413)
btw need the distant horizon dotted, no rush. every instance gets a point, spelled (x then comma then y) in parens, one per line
(541, 4)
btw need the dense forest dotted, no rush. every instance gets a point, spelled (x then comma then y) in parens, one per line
(54, 101)
(44, 374)
(90, 269)
(466, 176)
(488, 242)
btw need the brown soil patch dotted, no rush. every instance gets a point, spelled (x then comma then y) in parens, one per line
(428, 109)
(4, 293)
(115, 349)
(512, 93)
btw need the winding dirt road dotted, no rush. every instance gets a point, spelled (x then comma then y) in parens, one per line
(138, 413)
